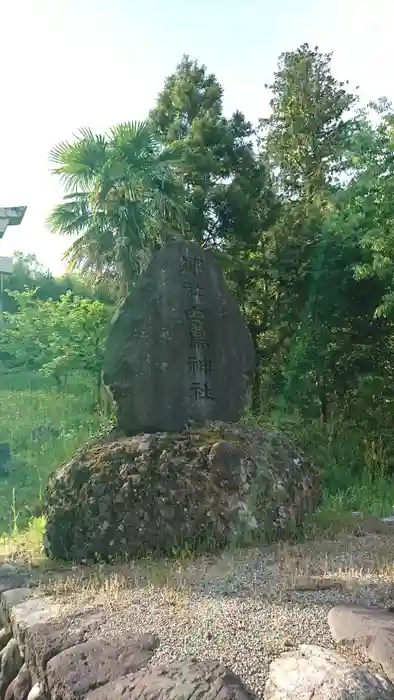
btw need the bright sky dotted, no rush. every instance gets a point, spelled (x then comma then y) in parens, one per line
(72, 63)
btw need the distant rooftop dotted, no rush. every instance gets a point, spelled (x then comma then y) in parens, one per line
(10, 216)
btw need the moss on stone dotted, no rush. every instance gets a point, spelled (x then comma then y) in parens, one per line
(127, 497)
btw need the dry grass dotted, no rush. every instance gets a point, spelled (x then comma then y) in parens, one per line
(244, 607)
(351, 555)
(355, 567)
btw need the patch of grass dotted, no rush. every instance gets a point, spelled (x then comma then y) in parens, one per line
(356, 472)
(24, 545)
(26, 403)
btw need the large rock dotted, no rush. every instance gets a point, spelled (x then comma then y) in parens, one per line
(367, 630)
(27, 614)
(20, 687)
(154, 493)
(45, 640)
(179, 351)
(75, 671)
(313, 672)
(11, 663)
(179, 680)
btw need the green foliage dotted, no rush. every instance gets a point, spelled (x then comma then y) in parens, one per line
(303, 139)
(29, 400)
(330, 347)
(54, 337)
(28, 273)
(302, 227)
(230, 201)
(122, 199)
(300, 214)
(226, 187)
(366, 205)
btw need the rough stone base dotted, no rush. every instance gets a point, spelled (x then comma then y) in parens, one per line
(121, 497)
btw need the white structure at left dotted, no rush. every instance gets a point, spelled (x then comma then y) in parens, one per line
(9, 216)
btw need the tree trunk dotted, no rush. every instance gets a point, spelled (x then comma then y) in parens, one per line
(256, 380)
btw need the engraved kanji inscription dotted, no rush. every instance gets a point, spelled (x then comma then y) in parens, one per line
(194, 266)
(193, 314)
(196, 365)
(193, 292)
(201, 391)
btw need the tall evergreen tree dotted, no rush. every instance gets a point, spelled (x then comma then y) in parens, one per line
(305, 137)
(229, 194)
(306, 141)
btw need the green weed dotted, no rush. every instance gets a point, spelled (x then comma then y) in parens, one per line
(357, 473)
(28, 402)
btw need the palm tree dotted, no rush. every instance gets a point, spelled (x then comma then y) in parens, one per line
(123, 199)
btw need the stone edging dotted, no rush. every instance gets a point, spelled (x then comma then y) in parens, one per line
(42, 658)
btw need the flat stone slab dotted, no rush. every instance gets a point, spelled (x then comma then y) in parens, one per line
(313, 672)
(30, 612)
(10, 598)
(44, 640)
(75, 671)
(180, 680)
(370, 630)
(11, 578)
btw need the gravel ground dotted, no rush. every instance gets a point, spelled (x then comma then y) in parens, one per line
(243, 609)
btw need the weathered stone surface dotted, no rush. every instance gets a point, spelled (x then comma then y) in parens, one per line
(9, 599)
(37, 693)
(369, 630)
(178, 680)
(5, 459)
(179, 350)
(314, 672)
(5, 636)
(11, 578)
(43, 641)
(10, 691)
(75, 671)
(130, 496)
(21, 685)
(28, 613)
(11, 663)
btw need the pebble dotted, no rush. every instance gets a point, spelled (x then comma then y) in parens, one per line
(243, 614)
(246, 635)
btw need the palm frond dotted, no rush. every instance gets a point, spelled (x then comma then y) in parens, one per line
(81, 161)
(123, 197)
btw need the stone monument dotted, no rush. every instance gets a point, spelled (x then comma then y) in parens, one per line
(179, 351)
(178, 471)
